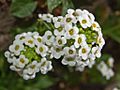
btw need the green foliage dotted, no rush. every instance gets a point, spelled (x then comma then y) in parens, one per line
(53, 4)
(23, 8)
(66, 4)
(111, 28)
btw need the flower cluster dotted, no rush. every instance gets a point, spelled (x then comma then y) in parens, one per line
(106, 69)
(27, 55)
(75, 38)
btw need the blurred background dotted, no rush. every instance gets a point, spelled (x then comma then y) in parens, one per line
(17, 16)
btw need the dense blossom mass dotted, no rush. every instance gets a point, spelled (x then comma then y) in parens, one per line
(76, 39)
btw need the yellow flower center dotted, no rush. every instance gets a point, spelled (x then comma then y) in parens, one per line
(84, 21)
(39, 39)
(71, 31)
(70, 51)
(79, 40)
(17, 47)
(84, 50)
(59, 41)
(41, 49)
(94, 25)
(30, 41)
(68, 19)
(22, 60)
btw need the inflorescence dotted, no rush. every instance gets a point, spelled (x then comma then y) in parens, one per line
(76, 40)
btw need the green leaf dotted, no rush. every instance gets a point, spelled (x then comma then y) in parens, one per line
(66, 5)
(53, 4)
(22, 8)
(44, 82)
(112, 28)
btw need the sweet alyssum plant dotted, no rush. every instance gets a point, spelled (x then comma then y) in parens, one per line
(76, 39)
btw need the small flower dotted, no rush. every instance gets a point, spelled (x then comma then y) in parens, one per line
(46, 17)
(75, 13)
(29, 41)
(15, 68)
(111, 61)
(45, 66)
(56, 52)
(69, 19)
(42, 50)
(38, 40)
(60, 41)
(95, 26)
(31, 68)
(71, 31)
(21, 37)
(80, 40)
(58, 21)
(16, 47)
(48, 38)
(96, 51)
(71, 61)
(84, 51)
(70, 51)
(21, 61)
(59, 31)
(84, 21)
(90, 15)
(100, 41)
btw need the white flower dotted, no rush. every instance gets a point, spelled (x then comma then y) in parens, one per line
(15, 68)
(29, 41)
(42, 50)
(58, 21)
(70, 51)
(90, 15)
(21, 61)
(56, 52)
(111, 61)
(60, 41)
(59, 31)
(80, 67)
(91, 63)
(21, 37)
(76, 12)
(45, 66)
(16, 47)
(80, 40)
(38, 40)
(95, 26)
(48, 38)
(31, 68)
(10, 57)
(26, 76)
(71, 31)
(100, 41)
(69, 19)
(96, 51)
(105, 70)
(71, 61)
(84, 51)
(46, 17)
(84, 21)
(30, 71)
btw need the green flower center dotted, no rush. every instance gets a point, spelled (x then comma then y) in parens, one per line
(60, 28)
